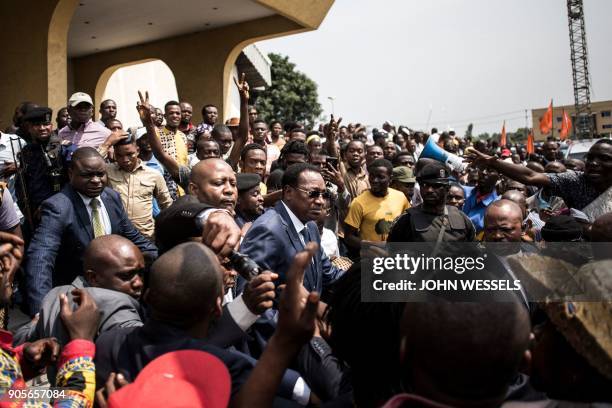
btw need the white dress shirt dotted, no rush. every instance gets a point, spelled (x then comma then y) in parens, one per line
(105, 219)
(297, 224)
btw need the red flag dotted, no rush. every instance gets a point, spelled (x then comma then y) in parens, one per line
(530, 146)
(566, 125)
(502, 139)
(546, 123)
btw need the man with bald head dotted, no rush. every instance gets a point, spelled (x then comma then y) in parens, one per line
(212, 185)
(503, 222)
(213, 182)
(461, 354)
(112, 273)
(185, 294)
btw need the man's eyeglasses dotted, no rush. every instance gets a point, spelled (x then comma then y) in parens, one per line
(316, 193)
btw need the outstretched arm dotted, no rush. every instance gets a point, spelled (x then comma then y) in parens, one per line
(145, 110)
(516, 172)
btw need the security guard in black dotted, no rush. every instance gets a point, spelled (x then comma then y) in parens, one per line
(433, 221)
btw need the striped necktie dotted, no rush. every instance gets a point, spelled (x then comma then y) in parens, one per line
(96, 218)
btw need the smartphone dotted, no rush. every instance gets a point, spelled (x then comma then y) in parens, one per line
(333, 161)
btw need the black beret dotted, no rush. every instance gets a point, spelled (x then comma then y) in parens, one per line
(246, 181)
(433, 172)
(38, 115)
(561, 228)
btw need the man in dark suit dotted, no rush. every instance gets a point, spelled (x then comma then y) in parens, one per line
(112, 273)
(85, 209)
(281, 232)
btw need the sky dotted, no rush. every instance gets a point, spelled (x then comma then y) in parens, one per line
(446, 63)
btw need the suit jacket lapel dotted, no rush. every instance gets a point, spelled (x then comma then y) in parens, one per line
(291, 232)
(80, 210)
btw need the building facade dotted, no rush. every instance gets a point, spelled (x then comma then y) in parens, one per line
(76, 45)
(601, 116)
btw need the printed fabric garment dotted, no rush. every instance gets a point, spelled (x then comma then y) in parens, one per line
(174, 143)
(76, 373)
(573, 187)
(373, 216)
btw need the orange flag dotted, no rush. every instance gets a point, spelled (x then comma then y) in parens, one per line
(566, 125)
(530, 146)
(546, 123)
(502, 139)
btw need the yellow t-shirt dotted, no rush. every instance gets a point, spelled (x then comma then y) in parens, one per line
(373, 216)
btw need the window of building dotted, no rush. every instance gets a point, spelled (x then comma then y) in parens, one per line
(559, 119)
(606, 114)
(607, 126)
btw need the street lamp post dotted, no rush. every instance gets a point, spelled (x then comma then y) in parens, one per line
(332, 99)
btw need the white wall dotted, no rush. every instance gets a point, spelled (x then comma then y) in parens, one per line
(123, 86)
(233, 110)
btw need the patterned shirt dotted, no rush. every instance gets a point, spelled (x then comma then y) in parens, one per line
(573, 188)
(201, 129)
(76, 373)
(174, 143)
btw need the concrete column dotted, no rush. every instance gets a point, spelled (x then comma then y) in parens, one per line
(34, 54)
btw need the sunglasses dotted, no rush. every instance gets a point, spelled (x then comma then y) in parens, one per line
(316, 193)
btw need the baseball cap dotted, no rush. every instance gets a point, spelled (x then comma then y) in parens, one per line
(185, 378)
(434, 172)
(403, 174)
(506, 153)
(79, 97)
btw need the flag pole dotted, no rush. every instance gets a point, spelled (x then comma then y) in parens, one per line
(552, 111)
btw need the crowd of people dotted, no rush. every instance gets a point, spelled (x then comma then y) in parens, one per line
(212, 264)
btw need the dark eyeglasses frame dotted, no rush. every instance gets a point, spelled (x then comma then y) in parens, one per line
(315, 193)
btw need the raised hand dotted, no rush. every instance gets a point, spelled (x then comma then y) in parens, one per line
(116, 136)
(243, 86)
(145, 110)
(220, 233)
(334, 176)
(297, 307)
(331, 129)
(476, 158)
(81, 323)
(10, 252)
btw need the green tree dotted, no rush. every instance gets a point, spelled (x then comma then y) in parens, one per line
(520, 135)
(292, 95)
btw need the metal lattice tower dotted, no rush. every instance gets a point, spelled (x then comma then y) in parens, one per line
(583, 123)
